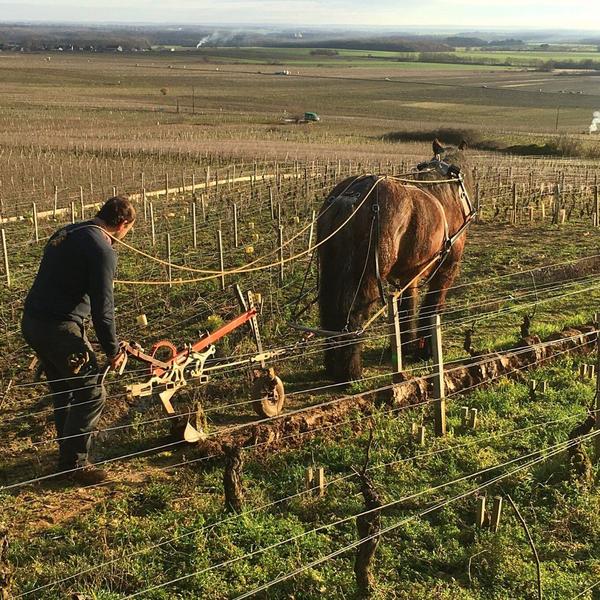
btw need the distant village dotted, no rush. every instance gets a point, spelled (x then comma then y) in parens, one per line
(40, 47)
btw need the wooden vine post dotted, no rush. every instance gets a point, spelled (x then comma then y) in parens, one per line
(81, 203)
(152, 226)
(281, 262)
(35, 223)
(309, 478)
(439, 388)
(556, 208)
(236, 239)
(394, 323)
(194, 226)
(232, 479)
(5, 256)
(221, 258)
(320, 483)
(312, 230)
(514, 203)
(496, 514)
(169, 268)
(480, 511)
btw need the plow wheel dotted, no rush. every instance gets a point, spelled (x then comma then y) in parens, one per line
(268, 393)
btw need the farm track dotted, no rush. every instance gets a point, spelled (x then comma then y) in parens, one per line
(155, 193)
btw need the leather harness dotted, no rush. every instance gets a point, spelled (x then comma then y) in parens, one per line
(453, 172)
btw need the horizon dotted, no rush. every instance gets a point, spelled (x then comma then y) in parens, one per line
(405, 28)
(521, 15)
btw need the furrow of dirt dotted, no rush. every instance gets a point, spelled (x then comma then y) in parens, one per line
(292, 430)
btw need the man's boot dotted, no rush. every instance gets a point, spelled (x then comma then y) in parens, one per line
(86, 473)
(83, 472)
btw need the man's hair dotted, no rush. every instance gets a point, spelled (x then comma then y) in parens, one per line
(117, 210)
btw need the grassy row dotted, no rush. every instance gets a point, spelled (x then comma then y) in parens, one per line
(426, 556)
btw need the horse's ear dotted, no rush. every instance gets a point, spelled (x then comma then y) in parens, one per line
(463, 145)
(437, 147)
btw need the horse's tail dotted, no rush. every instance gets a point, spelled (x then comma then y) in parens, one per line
(335, 266)
(343, 277)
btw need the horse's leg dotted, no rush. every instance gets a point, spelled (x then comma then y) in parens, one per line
(349, 362)
(331, 303)
(408, 319)
(433, 302)
(329, 320)
(349, 365)
(330, 360)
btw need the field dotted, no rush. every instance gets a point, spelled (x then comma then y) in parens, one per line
(200, 144)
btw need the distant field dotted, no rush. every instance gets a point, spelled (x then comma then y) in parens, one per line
(306, 56)
(130, 101)
(527, 57)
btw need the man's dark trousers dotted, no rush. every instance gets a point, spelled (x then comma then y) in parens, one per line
(74, 379)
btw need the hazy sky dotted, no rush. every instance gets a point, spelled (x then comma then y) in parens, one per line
(563, 14)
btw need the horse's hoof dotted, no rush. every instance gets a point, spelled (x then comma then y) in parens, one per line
(425, 355)
(423, 349)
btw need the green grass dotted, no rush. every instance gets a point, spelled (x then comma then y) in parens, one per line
(424, 556)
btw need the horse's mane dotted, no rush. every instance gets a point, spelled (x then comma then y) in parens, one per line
(455, 157)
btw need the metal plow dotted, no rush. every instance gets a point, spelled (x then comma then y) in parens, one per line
(171, 369)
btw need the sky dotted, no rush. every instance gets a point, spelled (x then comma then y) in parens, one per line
(464, 14)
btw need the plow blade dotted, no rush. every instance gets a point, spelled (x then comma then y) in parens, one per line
(191, 435)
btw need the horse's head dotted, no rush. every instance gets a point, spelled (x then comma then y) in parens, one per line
(447, 162)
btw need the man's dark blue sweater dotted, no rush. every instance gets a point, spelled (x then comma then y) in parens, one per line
(75, 280)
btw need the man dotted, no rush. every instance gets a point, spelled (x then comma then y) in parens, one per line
(74, 281)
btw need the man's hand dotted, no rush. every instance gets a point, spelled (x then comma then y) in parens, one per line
(117, 362)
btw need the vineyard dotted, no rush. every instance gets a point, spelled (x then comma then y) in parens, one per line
(471, 475)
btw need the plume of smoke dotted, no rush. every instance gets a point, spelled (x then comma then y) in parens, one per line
(221, 39)
(595, 122)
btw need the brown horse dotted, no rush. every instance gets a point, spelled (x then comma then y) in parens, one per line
(394, 228)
